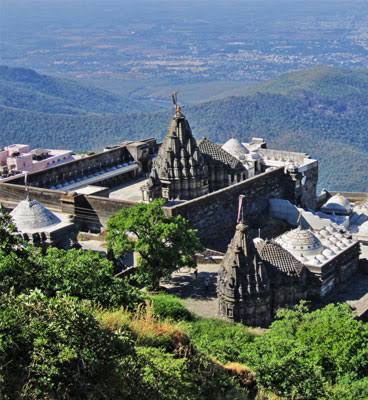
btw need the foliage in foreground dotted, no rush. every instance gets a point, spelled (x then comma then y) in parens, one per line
(52, 347)
(164, 244)
(173, 367)
(220, 339)
(310, 355)
(83, 274)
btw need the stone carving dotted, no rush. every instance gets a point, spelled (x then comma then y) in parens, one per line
(243, 284)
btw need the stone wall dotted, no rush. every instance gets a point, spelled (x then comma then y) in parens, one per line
(92, 212)
(11, 195)
(215, 214)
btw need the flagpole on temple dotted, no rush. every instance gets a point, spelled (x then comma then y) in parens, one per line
(26, 184)
(240, 209)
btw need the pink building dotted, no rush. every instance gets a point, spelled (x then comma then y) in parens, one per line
(18, 158)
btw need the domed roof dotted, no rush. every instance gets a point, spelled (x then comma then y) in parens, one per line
(363, 229)
(235, 148)
(31, 215)
(301, 242)
(337, 203)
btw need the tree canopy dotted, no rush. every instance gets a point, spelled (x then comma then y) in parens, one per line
(307, 355)
(164, 244)
(54, 346)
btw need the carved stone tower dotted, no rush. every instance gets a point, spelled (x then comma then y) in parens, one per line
(179, 171)
(243, 285)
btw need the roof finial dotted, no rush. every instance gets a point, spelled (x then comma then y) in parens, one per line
(300, 221)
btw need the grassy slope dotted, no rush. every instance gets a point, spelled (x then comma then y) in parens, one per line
(322, 111)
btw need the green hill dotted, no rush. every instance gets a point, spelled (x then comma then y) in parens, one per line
(322, 111)
(25, 89)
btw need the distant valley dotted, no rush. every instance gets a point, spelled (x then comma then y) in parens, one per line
(321, 111)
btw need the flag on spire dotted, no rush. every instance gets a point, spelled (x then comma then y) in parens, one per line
(240, 209)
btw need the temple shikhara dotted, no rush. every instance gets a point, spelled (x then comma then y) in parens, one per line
(288, 244)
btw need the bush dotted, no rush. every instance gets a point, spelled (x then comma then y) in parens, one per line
(82, 274)
(357, 390)
(166, 306)
(304, 354)
(168, 376)
(54, 348)
(190, 378)
(220, 339)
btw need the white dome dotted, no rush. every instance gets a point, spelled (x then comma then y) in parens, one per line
(337, 203)
(301, 242)
(363, 229)
(31, 215)
(235, 148)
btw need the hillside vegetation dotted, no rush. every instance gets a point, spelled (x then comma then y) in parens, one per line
(321, 111)
(25, 89)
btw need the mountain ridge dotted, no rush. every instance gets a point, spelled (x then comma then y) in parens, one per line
(309, 111)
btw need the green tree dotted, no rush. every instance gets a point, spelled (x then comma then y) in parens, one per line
(163, 243)
(304, 354)
(82, 274)
(53, 348)
(9, 240)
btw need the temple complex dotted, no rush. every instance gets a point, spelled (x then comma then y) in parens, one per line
(295, 244)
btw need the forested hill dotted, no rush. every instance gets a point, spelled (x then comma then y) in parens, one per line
(322, 111)
(25, 89)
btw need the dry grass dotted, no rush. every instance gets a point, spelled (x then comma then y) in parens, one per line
(114, 320)
(145, 327)
(243, 374)
(150, 331)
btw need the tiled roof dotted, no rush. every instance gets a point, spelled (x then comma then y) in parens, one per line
(215, 152)
(281, 259)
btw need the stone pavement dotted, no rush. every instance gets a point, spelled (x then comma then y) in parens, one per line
(198, 294)
(200, 298)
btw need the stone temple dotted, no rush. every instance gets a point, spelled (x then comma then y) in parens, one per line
(293, 243)
(257, 277)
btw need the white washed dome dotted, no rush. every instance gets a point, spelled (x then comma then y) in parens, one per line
(235, 148)
(31, 215)
(337, 204)
(363, 229)
(301, 242)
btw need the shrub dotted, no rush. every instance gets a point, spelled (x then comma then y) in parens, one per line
(357, 390)
(220, 339)
(168, 376)
(166, 306)
(304, 353)
(55, 348)
(82, 274)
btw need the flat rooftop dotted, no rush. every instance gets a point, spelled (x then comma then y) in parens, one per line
(98, 177)
(128, 191)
